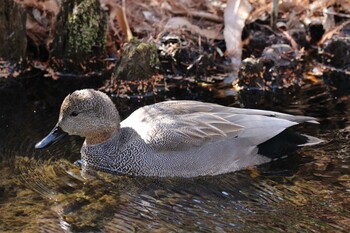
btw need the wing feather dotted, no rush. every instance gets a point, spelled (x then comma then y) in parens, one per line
(177, 125)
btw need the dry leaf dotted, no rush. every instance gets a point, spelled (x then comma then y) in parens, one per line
(183, 23)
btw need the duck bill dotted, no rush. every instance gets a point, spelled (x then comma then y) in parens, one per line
(55, 135)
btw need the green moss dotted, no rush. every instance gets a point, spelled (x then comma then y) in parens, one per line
(139, 61)
(85, 32)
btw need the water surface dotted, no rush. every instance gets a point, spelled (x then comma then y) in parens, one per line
(44, 191)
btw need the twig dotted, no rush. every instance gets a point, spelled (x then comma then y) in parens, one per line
(336, 13)
(198, 14)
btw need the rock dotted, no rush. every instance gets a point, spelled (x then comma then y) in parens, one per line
(336, 52)
(278, 68)
(139, 61)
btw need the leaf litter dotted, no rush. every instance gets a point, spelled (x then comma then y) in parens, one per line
(206, 42)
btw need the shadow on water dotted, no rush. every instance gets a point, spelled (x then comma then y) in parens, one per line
(44, 191)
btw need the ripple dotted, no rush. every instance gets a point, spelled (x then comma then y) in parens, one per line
(43, 191)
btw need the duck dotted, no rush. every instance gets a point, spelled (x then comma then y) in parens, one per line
(175, 138)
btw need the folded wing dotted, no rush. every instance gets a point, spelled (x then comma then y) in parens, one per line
(177, 125)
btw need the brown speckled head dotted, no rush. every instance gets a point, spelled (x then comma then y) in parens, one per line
(90, 114)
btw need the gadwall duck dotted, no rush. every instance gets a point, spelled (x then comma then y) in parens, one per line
(175, 138)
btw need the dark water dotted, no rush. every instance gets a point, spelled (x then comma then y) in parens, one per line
(43, 191)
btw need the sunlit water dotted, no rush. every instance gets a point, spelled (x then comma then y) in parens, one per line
(44, 191)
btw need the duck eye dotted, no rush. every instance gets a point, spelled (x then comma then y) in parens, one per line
(74, 113)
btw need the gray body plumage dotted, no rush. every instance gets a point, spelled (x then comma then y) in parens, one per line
(187, 139)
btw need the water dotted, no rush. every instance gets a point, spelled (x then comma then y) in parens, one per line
(44, 191)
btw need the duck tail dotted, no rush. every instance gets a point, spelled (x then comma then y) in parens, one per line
(311, 140)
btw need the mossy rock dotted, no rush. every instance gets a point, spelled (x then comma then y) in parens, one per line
(139, 61)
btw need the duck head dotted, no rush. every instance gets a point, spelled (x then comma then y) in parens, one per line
(87, 113)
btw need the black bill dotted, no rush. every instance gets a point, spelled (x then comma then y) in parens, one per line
(55, 135)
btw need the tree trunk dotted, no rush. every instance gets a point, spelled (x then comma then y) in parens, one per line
(12, 31)
(81, 30)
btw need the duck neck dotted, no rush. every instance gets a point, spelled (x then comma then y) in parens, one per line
(100, 137)
(106, 131)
